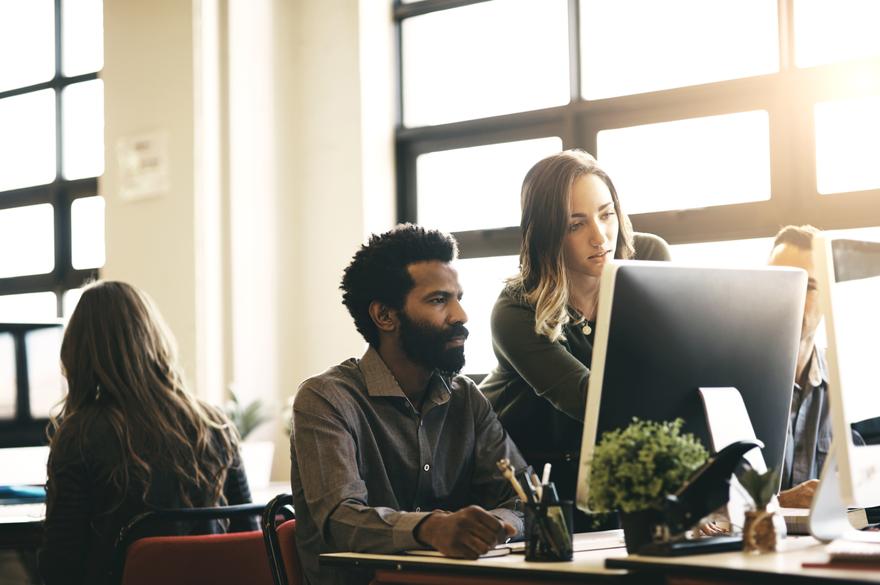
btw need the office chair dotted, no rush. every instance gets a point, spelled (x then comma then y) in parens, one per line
(207, 559)
(280, 541)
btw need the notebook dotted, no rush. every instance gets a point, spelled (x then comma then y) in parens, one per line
(797, 520)
(498, 551)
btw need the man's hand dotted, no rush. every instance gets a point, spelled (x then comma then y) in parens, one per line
(800, 496)
(466, 534)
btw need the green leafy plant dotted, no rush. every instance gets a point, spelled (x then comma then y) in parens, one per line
(632, 469)
(246, 418)
(760, 486)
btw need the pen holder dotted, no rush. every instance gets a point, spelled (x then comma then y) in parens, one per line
(548, 531)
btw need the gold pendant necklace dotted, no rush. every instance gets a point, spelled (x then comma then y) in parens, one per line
(586, 329)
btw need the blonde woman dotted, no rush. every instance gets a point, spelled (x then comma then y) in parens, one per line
(543, 321)
(129, 436)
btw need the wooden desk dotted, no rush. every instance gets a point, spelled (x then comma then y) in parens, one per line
(613, 566)
(731, 568)
(587, 567)
(21, 526)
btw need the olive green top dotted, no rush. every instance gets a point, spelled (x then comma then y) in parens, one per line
(539, 387)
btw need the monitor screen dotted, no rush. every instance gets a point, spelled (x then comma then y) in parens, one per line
(665, 331)
(31, 383)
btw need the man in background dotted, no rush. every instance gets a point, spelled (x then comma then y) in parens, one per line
(809, 429)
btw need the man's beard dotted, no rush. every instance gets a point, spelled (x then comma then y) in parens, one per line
(426, 345)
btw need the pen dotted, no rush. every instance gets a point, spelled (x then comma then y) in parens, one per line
(545, 479)
(508, 472)
(539, 489)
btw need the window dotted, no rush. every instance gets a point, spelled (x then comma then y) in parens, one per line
(718, 121)
(52, 115)
(51, 145)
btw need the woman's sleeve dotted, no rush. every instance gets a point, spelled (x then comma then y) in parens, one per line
(651, 247)
(553, 373)
(62, 556)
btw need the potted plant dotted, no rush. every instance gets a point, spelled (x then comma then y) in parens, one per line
(633, 469)
(256, 455)
(763, 528)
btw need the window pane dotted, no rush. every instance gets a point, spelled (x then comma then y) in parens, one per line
(83, 38)
(7, 376)
(687, 163)
(835, 30)
(482, 280)
(848, 145)
(28, 231)
(83, 116)
(44, 370)
(27, 43)
(477, 188)
(69, 300)
(28, 308)
(484, 60)
(635, 46)
(87, 231)
(728, 254)
(27, 139)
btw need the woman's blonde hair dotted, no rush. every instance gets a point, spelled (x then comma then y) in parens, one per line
(121, 365)
(546, 197)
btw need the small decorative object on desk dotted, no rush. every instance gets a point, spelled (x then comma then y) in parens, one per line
(764, 528)
(632, 471)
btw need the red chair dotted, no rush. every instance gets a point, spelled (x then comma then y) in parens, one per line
(211, 559)
(281, 541)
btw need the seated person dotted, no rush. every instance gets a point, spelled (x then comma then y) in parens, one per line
(394, 450)
(809, 428)
(544, 319)
(129, 437)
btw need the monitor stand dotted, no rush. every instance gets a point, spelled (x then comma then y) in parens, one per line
(828, 514)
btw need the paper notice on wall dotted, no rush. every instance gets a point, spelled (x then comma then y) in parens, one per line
(143, 165)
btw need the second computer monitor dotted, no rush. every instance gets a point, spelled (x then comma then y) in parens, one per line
(664, 331)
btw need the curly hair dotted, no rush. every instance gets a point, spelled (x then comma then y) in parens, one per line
(378, 271)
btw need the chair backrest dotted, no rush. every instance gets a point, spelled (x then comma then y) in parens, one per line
(213, 559)
(281, 541)
(142, 558)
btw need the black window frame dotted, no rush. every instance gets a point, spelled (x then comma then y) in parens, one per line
(61, 193)
(22, 429)
(788, 96)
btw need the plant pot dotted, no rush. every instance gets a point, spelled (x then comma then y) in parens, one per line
(257, 459)
(762, 531)
(639, 528)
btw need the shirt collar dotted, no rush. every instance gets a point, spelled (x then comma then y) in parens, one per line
(818, 374)
(381, 382)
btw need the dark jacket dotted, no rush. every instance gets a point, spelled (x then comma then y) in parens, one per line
(85, 513)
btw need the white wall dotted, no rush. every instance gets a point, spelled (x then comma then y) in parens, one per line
(148, 83)
(306, 166)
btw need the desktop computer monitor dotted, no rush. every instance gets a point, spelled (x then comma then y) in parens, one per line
(665, 331)
(31, 383)
(848, 279)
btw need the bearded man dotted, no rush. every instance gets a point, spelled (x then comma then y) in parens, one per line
(395, 450)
